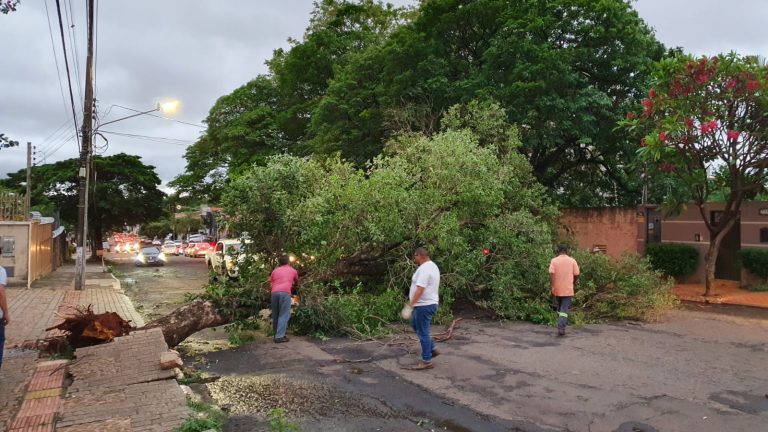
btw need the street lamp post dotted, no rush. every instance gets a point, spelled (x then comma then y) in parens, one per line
(85, 175)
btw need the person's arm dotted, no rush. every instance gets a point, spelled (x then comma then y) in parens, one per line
(4, 305)
(576, 272)
(551, 276)
(416, 295)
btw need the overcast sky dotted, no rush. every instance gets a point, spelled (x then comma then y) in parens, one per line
(151, 51)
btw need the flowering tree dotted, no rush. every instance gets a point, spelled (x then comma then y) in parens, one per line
(706, 126)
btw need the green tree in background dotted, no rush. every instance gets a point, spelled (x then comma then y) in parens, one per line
(565, 71)
(706, 126)
(270, 114)
(124, 192)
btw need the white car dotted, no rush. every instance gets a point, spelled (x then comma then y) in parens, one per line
(222, 260)
(169, 247)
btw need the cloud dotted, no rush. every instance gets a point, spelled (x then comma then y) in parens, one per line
(197, 51)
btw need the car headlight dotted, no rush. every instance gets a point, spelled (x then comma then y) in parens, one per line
(162, 256)
(141, 258)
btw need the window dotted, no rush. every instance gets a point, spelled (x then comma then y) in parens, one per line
(763, 235)
(219, 247)
(8, 245)
(598, 248)
(697, 237)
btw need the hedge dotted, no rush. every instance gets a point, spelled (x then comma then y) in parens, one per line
(755, 261)
(673, 259)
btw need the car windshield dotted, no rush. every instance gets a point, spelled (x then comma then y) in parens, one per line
(150, 250)
(233, 248)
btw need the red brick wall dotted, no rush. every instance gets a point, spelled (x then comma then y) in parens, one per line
(613, 227)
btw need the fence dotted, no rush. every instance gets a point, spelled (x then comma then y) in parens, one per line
(13, 207)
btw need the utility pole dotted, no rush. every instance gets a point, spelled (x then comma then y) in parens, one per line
(28, 200)
(85, 158)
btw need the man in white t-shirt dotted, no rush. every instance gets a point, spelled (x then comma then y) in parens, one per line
(424, 298)
(4, 316)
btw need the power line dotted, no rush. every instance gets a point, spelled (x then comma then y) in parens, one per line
(172, 141)
(69, 15)
(58, 129)
(165, 118)
(56, 58)
(66, 64)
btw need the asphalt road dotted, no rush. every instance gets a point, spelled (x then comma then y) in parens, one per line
(702, 368)
(156, 291)
(694, 371)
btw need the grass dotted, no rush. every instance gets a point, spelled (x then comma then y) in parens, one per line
(207, 417)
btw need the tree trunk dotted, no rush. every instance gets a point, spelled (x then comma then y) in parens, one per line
(712, 253)
(187, 320)
(710, 262)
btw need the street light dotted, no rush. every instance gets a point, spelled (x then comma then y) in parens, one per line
(166, 107)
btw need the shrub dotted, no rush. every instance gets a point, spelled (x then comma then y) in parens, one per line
(673, 259)
(755, 261)
(352, 312)
(625, 289)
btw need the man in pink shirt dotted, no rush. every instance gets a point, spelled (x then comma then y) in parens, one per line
(563, 273)
(282, 280)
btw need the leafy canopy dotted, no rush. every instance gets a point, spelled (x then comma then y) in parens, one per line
(125, 191)
(565, 71)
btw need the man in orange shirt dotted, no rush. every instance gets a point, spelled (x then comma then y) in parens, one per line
(563, 273)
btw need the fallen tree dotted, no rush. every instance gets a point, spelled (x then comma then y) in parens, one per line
(187, 320)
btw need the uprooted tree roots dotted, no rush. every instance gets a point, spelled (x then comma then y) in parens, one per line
(85, 328)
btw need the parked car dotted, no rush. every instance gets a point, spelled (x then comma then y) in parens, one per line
(169, 248)
(200, 250)
(182, 248)
(222, 260)
(189, 250)
(150, 255)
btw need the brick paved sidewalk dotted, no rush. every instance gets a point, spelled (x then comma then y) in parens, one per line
(121, 383)
(125, 371)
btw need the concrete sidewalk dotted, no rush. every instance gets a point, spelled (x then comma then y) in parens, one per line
(24, 407)
(724, 292)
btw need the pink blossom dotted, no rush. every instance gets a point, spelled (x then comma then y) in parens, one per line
(642, 142)
(733, 135)
(731, 83)
(630, 115)
(652, 93)
(689, 123)
(663, 136)
(753, 85)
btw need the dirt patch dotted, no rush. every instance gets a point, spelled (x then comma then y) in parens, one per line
(258, 394)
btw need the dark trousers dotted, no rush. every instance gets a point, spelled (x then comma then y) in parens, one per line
(2, 340)
(420, 321)
(281, 313)
(563, 304)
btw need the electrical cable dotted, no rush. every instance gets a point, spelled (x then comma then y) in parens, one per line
(56, 58)
(158, 116)
(66, 64)
(164, 140)
(69, 16)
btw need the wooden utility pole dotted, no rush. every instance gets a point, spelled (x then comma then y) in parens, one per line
(28, 198)
(85, 158)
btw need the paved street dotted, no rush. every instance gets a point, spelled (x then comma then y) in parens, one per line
(695, 371)
(156, 291)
